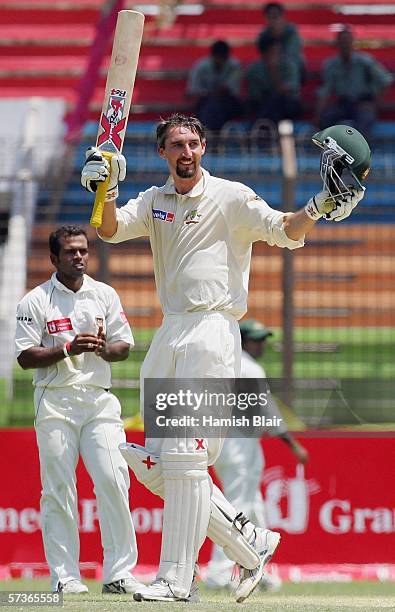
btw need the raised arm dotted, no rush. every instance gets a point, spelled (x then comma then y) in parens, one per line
(97, 169)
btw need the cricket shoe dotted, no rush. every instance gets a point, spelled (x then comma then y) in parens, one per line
(160, 590)
(72, 587)
(123, 586)
(265, 543)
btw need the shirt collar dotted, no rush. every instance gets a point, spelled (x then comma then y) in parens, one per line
(197, 190)
(86, 285)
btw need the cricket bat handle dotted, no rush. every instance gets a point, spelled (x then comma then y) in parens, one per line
(102, 187)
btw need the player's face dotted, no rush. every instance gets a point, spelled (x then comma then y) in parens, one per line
(183, 151)
(72, 261)
(255, 348)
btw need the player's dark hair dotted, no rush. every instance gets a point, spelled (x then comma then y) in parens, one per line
(178, 120)
(220, 48)
(345, 30)
(64, 232)
(270, 6)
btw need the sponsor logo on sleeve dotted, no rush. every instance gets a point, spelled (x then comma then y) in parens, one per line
(59, 325)
(163, 215)
(23, 318)
(124, 318)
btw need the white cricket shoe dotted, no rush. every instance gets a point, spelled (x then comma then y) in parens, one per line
(160, 590)
(265, 543)
(72, 587)
(127, 585)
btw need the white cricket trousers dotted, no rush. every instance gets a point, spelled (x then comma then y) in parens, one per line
(73, 421)
(193, 345)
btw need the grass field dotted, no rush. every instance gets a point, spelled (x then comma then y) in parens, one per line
(363, 353)
(303, 597)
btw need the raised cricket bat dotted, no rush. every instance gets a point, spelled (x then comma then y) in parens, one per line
(118, 96)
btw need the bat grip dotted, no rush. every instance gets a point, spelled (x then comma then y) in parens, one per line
(102, 187)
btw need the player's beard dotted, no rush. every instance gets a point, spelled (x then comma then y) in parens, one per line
(186, 171)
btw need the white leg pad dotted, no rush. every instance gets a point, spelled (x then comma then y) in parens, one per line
(146, 466)
(185, 517)
(223, 528)
(230, 530)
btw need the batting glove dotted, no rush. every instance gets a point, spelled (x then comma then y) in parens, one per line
(319, 205)
(345, 206)
(97, 169)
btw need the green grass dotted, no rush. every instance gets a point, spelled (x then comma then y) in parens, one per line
(366, 353)
(302, 597)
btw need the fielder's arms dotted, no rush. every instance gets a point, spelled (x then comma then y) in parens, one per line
(43, 357)
(299, 450)
(115, 351)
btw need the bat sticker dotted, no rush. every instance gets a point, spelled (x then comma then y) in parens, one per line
(112, 120)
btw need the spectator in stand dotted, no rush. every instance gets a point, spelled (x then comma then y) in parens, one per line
(283, 32)
(214, 82)
(273, 85)
(352, 84)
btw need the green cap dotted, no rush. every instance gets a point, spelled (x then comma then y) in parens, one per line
(253, 330)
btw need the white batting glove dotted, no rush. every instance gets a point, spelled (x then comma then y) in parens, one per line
(319, 205)
(345, 206)
(97, 169)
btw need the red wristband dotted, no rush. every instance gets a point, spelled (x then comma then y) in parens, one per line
(67, 349)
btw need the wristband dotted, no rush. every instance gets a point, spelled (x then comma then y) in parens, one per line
(67, 349)
(311, 210)
(112, 194)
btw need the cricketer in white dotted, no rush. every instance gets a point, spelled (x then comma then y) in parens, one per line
(68, 330)
(201, 230)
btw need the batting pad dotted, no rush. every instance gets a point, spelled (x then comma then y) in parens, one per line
(222, 528)
(185, 518)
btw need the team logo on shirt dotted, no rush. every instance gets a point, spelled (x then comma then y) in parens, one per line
(59, 325)
(163, 215)
(192, 217)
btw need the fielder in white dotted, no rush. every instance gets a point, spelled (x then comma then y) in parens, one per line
(241, 462)
(69, 329)
(201, 230)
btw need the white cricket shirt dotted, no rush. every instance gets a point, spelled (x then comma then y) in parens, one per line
(51, 314)
(201, 241)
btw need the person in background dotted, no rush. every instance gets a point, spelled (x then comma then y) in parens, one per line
(214, 84)
(285, 33)
(352, 85)
(273, 85)
(241, 462)
(69, 330)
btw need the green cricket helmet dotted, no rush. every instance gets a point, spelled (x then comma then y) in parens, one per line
(345, 159)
